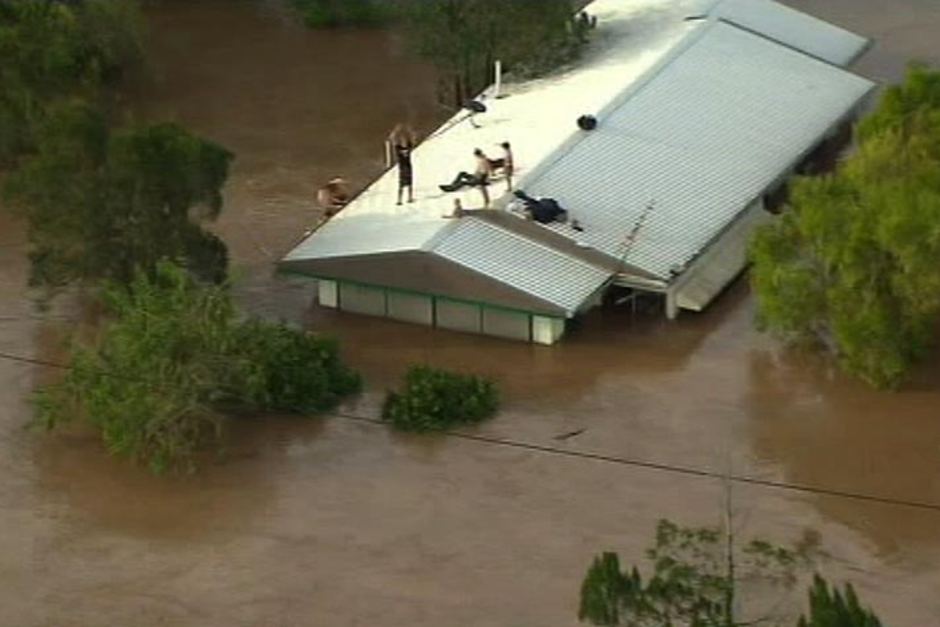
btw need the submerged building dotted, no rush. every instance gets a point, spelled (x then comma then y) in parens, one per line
(702, 116)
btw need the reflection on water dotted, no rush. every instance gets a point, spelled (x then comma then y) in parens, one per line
(311, 521)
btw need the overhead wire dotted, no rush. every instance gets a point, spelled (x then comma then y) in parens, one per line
(689, 471)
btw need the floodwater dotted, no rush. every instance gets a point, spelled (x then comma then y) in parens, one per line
(337, 522)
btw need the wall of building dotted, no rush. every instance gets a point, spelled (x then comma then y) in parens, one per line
(441, 312)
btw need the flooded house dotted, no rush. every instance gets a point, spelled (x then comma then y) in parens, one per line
(666, 145)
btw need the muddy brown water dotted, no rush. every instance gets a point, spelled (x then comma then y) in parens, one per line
(336, 522)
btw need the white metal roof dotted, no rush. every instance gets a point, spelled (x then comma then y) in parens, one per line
(794, 28)
(709, 133)
(700, 116)
(536, 117)
(523, 264)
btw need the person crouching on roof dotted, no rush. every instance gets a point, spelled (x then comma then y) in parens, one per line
(333, 196)
(480, 177)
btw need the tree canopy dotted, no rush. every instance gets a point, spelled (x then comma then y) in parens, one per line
(700, 578)
(693, 582)
(173, 359)
(854, 265)
(101, 203)
(833, 608)
(465, 37)
(51, 51)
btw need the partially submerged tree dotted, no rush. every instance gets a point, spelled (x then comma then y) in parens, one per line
(699, 579)
(696, 581)
(854, 266)
(434, 400)
(173, 360)
(50, 51)
(465, 37)
(101, 204)
(832, 608)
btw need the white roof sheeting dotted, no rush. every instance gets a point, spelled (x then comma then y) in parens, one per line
(536, 116)
(709, 133)
(521, 263)
(794, 28)
(365, 235)
(700, 116)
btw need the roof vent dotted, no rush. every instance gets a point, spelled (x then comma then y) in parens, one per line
(587, 122)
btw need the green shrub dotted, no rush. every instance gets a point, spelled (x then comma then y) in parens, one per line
(173, 360)
(287, 370)
(434, 400)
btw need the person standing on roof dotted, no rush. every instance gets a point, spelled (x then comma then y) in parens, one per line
(399, 145)
(480, 177)
(405, 174)
(509, 165)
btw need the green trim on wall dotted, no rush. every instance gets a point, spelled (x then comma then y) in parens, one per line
(431, 295)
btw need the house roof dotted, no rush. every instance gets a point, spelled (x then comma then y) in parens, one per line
(709, 133)
(794, 28)
(698, 116)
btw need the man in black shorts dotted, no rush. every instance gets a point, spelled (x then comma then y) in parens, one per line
(405, 173)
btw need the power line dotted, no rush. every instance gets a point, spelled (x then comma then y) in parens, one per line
(688, 471)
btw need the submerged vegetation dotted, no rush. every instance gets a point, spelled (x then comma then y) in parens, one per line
(52, 52)
(435, 400)
(173, 359)
(335, 13)
(854, 266)
(700, 579)
(464, 38)
(103, 203)
(100, 202)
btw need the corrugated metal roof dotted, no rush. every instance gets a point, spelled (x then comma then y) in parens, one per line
(794, 28)
(710, 132)
(365, 235)
(523, 264)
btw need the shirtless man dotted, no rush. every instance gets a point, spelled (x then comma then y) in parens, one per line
(480, 177)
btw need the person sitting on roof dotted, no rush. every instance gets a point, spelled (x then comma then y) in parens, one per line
(333, 196)
(480, 178)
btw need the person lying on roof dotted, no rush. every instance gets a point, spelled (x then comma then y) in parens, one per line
(542, 210)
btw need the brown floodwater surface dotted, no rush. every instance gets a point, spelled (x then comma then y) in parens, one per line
(332, 521)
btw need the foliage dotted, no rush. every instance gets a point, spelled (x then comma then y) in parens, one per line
(334, 13)
(835, 609)
(694, 583)
(855, 265)
(52, 51)
(173, 358)
(433, 400)
(465, 37)
(286, 371)
(101, 203)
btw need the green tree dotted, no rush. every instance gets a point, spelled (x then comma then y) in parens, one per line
(434, 400)
(697, 579)
(835, 609)
(173, 359)
(52, 51)
(854, 266)
(465, 37)
(101, 204)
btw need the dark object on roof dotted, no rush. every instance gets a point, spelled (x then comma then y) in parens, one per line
(587, 122)
(475, 106)
(542, 210)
